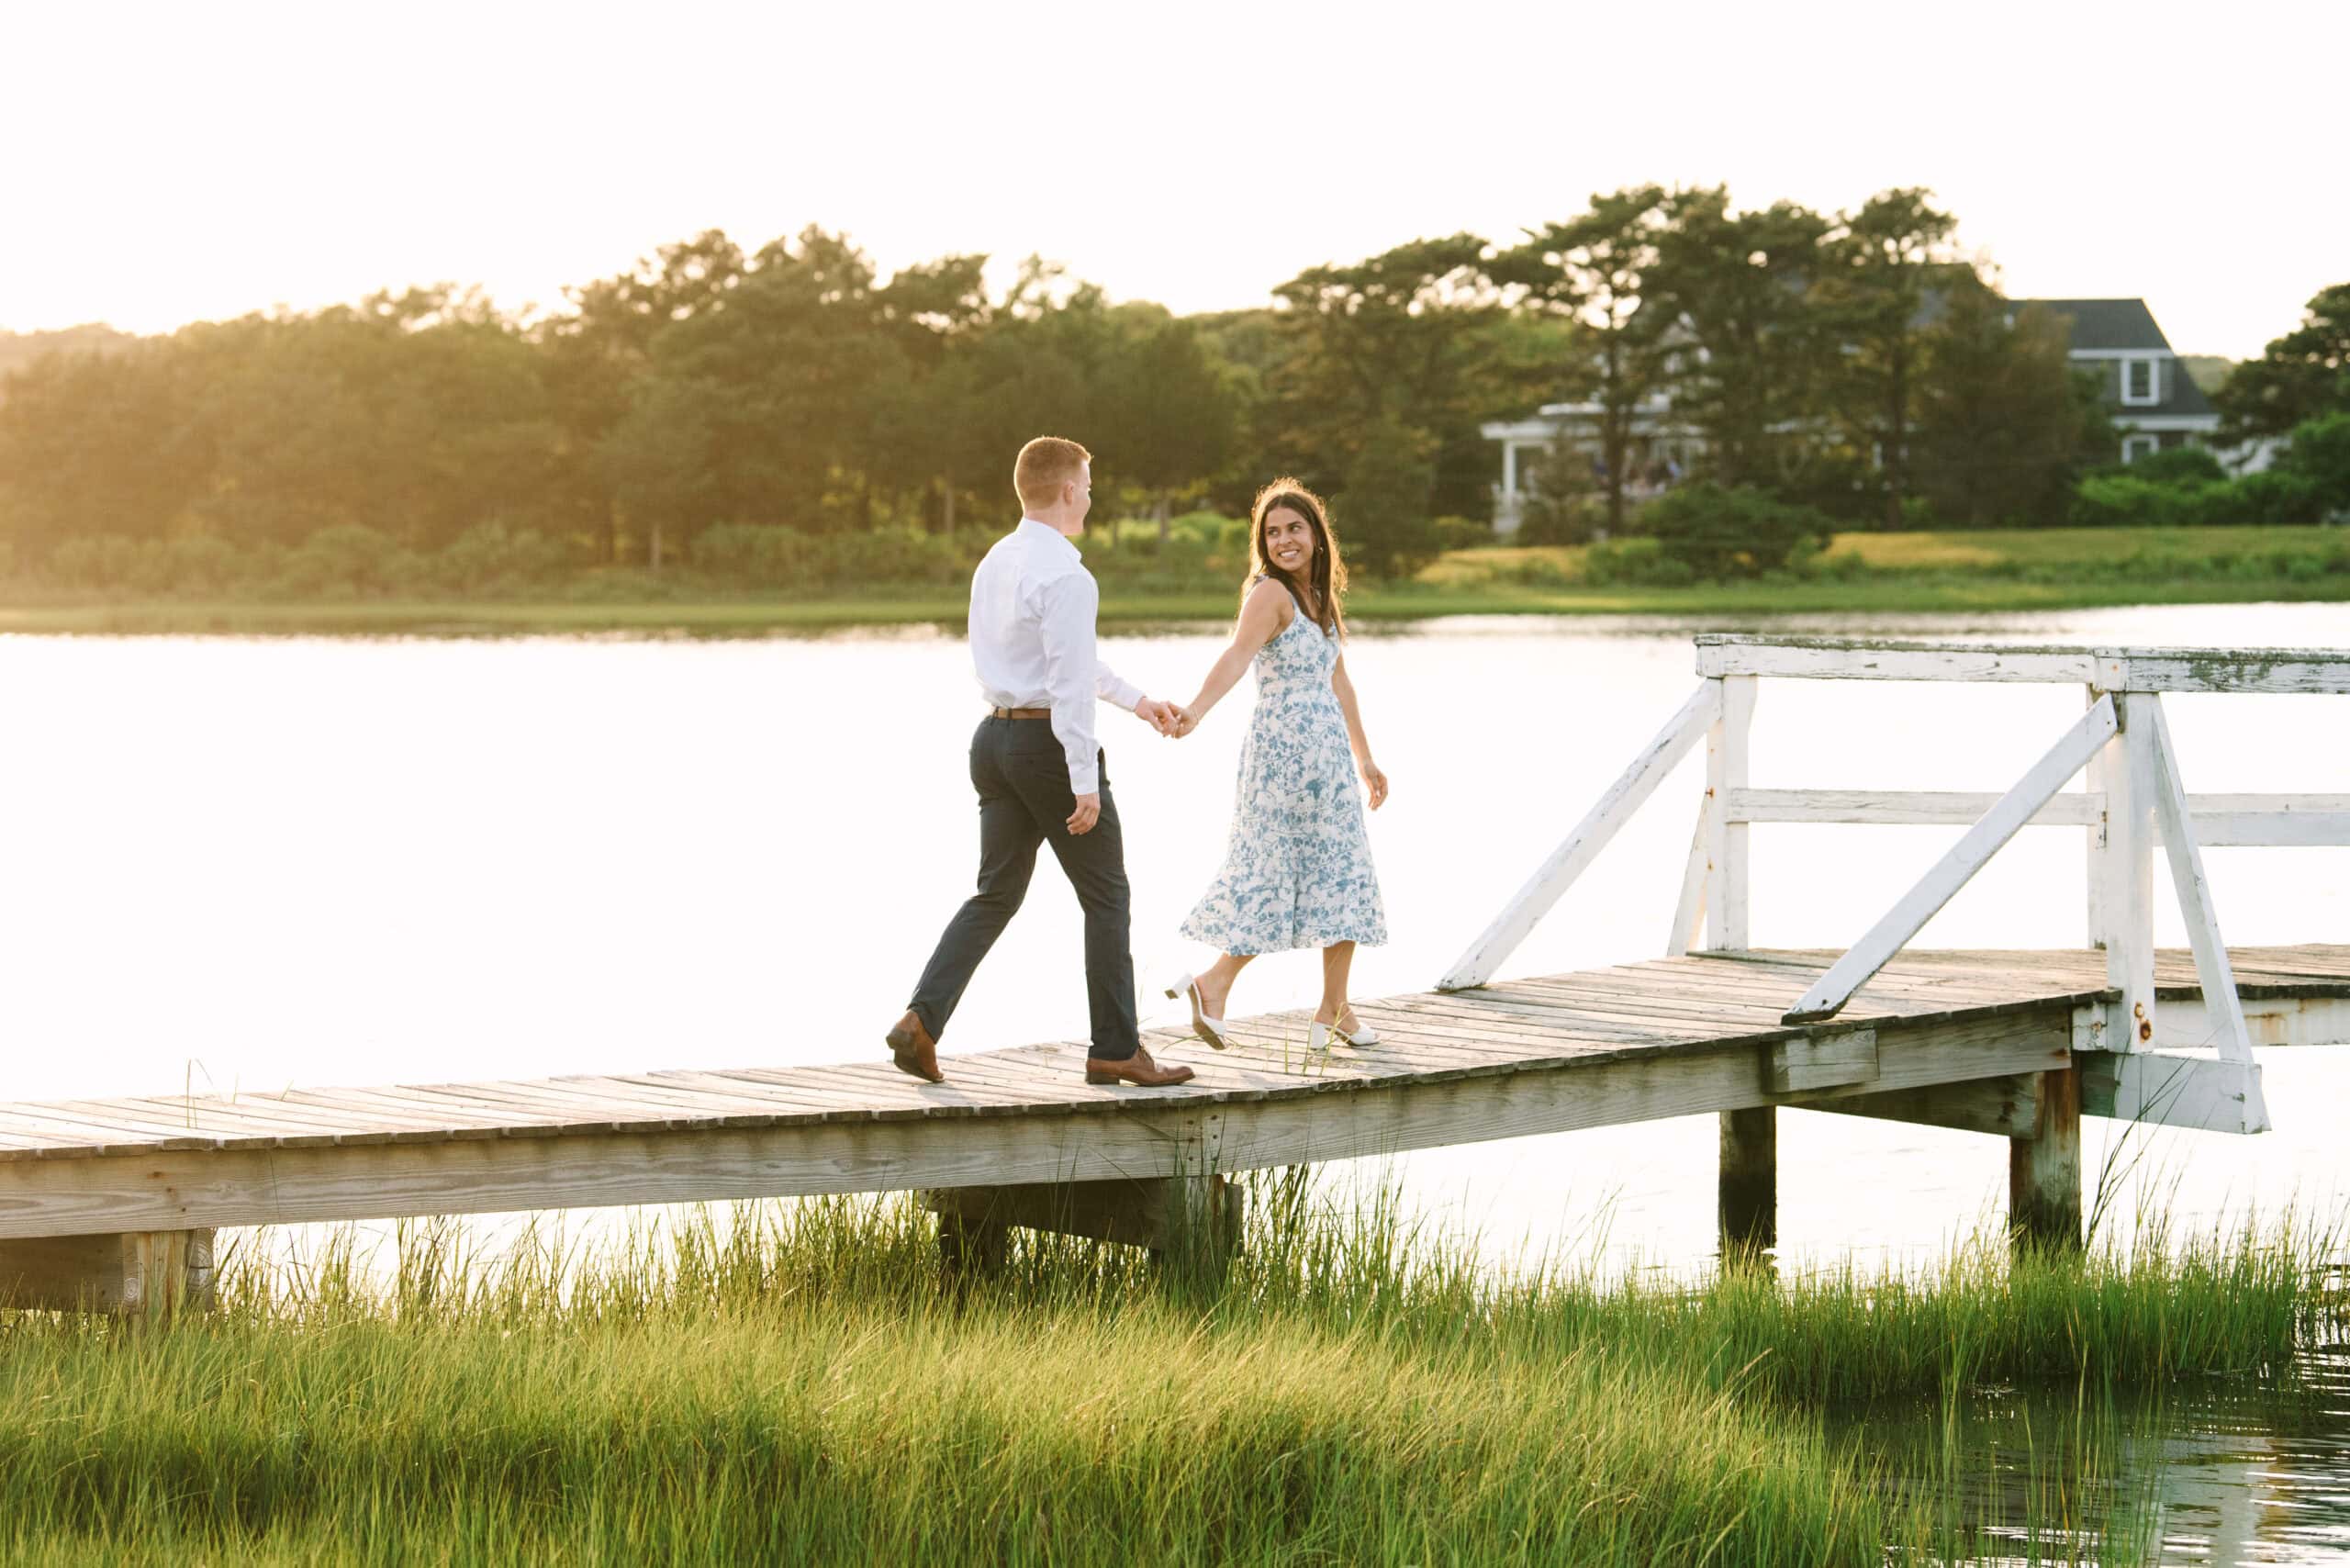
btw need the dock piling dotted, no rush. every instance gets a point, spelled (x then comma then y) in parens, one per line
(148, 1276)
(1749, 1193)
(2045, 1169)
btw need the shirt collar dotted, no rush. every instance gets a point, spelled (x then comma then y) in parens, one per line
(1034, 530)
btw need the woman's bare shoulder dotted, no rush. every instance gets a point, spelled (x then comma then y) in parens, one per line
(1267, 594)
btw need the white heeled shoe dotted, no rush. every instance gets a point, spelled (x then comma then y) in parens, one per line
(1205, 1028)
(1319, 1036)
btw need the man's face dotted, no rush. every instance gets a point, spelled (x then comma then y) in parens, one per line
(1081, 493)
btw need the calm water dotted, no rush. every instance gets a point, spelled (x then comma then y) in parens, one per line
(246, 865)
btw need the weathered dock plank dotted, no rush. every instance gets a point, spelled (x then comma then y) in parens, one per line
(1959, 1039)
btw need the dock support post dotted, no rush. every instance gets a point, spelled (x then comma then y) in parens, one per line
(970, 1246)
(146, 1276)
(2124, 905)
(2045, 1169)
(1193, 1217)
(1726, 841)
(1749, 1208)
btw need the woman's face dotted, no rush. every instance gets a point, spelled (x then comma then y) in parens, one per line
(1289, 540)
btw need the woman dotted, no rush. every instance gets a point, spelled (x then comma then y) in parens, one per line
(1297, 872)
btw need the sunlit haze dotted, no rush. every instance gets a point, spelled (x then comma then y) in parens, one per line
(173, 163)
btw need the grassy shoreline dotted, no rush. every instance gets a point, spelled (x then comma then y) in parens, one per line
(793, 1383)
(2044, 569)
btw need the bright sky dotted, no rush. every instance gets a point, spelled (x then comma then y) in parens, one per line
(173, 163)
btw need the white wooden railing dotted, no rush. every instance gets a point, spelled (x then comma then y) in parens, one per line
(2135, 799)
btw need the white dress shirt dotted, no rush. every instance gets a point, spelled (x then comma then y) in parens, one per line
(1032, 641)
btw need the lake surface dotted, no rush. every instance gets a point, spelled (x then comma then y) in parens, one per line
(245, 865)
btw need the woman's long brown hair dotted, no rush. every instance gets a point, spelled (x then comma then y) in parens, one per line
(1325, 576)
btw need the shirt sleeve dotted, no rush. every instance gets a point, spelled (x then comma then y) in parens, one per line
(1072, 674)
(1111, 686)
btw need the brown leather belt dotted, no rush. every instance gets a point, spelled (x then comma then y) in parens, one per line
(1020, 713)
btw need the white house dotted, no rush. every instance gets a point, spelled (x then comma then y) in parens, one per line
(2153, 401)
(1661, 448)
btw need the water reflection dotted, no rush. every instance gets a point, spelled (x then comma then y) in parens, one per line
(2253, 1470)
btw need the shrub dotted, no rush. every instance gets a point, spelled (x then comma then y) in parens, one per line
(108, 561)
(2175, 466)
(486, 558)
(1635, 562)
(1207, 528)
(344, 562)
(757, 556)
(2268, 497)
(198, 565)
(2119, 500)
(1721, 532)
(1559, 520)
(898, 556)
(1462, 533)
(2320, 457)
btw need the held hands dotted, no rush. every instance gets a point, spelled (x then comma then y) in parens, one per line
(1160, 716)
(1168, 718)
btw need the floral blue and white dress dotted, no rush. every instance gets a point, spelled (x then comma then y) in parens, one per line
(1297, 872)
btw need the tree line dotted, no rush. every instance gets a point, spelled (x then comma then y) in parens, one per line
(1855, 362)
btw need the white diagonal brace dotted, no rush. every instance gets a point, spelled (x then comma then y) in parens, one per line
(1689, 911)
(1953, 871)
(1590, 835)
(2218, 976)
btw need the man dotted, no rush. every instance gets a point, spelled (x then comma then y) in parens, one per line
(1040, 776)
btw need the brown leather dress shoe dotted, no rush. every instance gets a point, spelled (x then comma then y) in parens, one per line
(1137, 1069)
(913, 1050)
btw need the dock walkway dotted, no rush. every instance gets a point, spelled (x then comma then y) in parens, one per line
(111, 1202)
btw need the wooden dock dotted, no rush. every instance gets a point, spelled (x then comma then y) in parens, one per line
(111, 1203)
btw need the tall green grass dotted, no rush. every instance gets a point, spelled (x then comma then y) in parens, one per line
(795, 1382)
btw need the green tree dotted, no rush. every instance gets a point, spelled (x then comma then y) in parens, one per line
(662, 459)
(1591, 271)
(604, 344)
(2000, 414)
(1386, 522)
(1170, 413)
(1751, 352)
(916, 433)
(1396, 342)
(1887, 270)
(94, 445)
(2320, 456)
(418, 415)
(2299, 376)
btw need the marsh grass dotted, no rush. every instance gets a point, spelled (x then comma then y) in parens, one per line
(793, 1382)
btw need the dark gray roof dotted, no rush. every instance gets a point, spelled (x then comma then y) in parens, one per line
(2105, 324)
(2181, 395)
(2127, 325)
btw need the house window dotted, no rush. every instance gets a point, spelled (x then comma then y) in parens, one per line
(2140, 383)
(2134, 447)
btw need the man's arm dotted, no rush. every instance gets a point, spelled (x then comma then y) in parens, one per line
(1112, 687)
(1072, 677)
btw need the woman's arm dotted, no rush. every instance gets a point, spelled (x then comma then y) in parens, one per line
(1373, 780)
(1263, 615)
